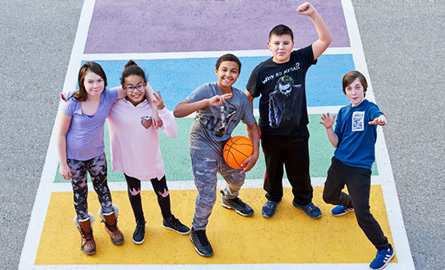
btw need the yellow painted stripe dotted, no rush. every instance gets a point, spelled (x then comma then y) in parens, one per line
(289, 237)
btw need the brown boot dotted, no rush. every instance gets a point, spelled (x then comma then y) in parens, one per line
(88, 245)
(110, 221)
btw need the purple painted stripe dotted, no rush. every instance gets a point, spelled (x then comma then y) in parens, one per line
(144, 26)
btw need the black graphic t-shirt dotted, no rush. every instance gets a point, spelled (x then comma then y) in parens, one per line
(283, 108)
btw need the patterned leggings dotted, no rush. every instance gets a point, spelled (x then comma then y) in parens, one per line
(97, 167)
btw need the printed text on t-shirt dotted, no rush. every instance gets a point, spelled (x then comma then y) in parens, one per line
(281, 73)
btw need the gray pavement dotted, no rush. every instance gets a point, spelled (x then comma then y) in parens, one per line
(403, 45)
(36, 38)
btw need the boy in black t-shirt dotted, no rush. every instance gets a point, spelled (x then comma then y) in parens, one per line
(280, 81)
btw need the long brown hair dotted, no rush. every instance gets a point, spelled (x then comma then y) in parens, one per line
(81, 94)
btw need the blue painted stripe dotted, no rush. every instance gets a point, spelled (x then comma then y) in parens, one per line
(177, 78)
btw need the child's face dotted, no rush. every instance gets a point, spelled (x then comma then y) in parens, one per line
(281, 48)
(135, 87)
(228, 73)
(94, 84)
(355, 92)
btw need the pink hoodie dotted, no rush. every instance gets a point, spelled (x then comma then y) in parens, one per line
(135, 141)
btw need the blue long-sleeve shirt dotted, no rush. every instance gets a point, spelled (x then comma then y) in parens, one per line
(356, 138)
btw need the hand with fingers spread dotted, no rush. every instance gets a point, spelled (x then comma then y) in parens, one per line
(381, 120)
(327, 120)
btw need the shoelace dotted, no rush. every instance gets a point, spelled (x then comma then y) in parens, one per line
(174, 222)
(238, 202)
(269, 204)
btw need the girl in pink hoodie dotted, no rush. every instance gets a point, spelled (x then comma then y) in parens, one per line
(135, 146)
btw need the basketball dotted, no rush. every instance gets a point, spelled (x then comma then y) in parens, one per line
(236, 150)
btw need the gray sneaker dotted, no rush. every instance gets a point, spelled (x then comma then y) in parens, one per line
(238, 205)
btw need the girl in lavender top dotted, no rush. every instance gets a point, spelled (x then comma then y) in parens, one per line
(80, 143)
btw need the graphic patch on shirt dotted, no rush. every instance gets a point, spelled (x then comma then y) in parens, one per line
(218, 126)
(282, 101)
(146, 121)
(358, 121)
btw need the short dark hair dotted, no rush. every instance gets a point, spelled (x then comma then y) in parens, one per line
(280, 30)
(81, 94)
(131, 68)
(351, 76)
(228, 57)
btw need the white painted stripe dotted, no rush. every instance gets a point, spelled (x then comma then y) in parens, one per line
(32, 239)
(79, 45)
(188, 184)
(325, 109)
(192, 55)
(393, 266)
(395, 218)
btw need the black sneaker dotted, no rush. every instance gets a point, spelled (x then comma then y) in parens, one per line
(201, 243)
(175, 225)
(237, 204)
(139, 232)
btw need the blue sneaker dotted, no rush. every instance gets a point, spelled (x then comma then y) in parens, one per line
(310, 209)
(269, 208)
(383, 257)
(340, 210)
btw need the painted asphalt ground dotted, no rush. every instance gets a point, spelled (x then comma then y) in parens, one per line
(89, 33)
(35, 53)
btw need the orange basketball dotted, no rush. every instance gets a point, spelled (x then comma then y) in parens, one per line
(236, 150)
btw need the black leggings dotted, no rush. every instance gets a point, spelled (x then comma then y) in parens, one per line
(159, 187)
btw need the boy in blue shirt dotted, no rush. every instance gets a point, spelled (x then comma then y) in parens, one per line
(354, 137)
